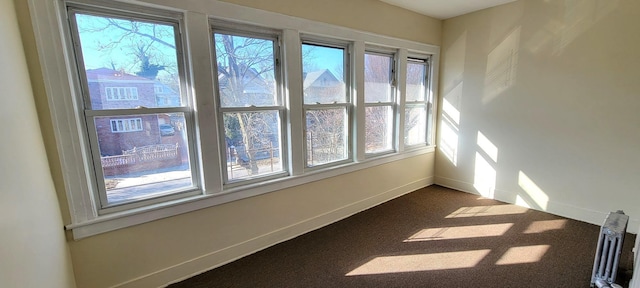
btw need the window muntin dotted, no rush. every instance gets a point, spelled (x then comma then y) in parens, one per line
(417, 103)
(251, 108)
(327, 103)
(145, 163)
(121, 93)
(126, 125)
(379, 99)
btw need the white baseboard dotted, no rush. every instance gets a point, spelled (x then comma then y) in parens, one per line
(220, 257)
(553, 207)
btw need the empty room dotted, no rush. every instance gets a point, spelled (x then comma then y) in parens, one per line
(283, 143)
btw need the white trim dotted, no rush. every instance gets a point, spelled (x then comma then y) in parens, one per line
(202, 263)
(58, 73)
(141, 215)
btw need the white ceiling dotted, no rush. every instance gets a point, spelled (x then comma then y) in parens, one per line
(443, 9)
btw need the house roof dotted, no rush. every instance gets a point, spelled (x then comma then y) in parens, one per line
(106, 74)
(312, 77)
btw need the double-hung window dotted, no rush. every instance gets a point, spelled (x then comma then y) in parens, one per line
(379, 100)
(120, 58)
(251, 108)
(326, 102)
(418, 103)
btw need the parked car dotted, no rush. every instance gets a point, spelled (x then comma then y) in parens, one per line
(167, 130)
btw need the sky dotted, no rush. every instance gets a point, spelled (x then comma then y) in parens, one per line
(105, 45)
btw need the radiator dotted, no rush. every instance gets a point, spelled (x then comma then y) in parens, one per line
(605, 265)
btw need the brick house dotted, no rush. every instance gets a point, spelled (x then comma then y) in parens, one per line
(112, 89)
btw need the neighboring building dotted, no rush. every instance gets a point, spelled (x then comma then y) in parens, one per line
(111, 89)
(252, 90)
(323, 87)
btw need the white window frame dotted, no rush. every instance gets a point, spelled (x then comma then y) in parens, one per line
(231, 28)
(84, 106)
(134, 125)
(54, 50)
(346, 106)
(391, 103)
(121, 93)
(426, 103)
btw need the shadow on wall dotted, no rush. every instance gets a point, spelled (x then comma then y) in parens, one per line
(516, 84)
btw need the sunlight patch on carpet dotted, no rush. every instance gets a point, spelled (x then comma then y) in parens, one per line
(544, 226)
(523, 254)
(491, 210)
(421, 262)
(461, 232)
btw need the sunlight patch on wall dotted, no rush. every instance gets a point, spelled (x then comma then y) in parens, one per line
(451, 111)
(488, 147)
(462, 232)
(537, 195)
(491, 210)
(578, 18)
(523, 254)
(421, 262)
(502, 64)
(484, 177)
(449, 132)
(452, 75)
(521, 202)
(544, 226)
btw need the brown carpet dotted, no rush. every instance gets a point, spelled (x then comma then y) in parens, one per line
(433, 237)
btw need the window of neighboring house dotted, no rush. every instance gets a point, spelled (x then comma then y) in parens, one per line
(418, 103)
(251, 106)
(327, 104)
(126, 125)
(121, 93)
(379, 101)
(158, 89)
(132, 169)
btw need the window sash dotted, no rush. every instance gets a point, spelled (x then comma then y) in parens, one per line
(334, 143)
(228, 159)
(98, 183)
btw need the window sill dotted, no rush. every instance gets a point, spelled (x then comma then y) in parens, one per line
(119, 220)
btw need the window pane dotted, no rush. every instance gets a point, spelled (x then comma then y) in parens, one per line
(245, 71)
(377, 78)
(379, 129)
(252, 144)
(326, 136)
(323, 71)
(125, 59)
(415, 124)
(147, 156)
(416, 77)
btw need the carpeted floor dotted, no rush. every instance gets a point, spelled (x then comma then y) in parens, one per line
(433, 237)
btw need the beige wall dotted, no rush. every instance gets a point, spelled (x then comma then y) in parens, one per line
(171, 248)
(33, 249)
(541, 106)
(162, 251)
(364, 15)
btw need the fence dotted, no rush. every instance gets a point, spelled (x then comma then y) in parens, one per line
(238, 157)
(141, 159)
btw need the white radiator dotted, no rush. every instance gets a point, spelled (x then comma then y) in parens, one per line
(605, 265)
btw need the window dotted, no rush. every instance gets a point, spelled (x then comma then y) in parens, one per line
(126, 125)
(327, 103)
(121, 93)
(149, 127)
(418, 103)
(251, 108)
(379, 99)
(138, 167)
